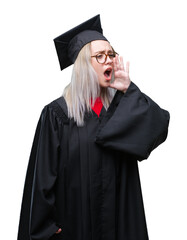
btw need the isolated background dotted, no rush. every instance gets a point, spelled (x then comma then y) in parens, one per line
(152, 36)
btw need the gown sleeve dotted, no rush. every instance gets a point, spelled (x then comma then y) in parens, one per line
(37, 219)
(134, 124)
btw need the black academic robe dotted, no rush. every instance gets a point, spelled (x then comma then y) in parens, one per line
(85, 179)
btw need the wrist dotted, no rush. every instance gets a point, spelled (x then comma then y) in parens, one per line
(126, 86)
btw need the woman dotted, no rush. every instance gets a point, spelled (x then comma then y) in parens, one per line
(82, 180)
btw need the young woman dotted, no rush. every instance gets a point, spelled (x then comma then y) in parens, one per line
(82, 180)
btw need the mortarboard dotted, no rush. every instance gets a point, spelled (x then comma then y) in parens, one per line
(69, 44)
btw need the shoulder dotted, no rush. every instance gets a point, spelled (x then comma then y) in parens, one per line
(58, 107)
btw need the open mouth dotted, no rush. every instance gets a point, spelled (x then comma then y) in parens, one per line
(108, 73)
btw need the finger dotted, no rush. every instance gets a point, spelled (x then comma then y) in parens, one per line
(59, 230)
(112, 85)
(121, 63)
(127, 66)
(115, 64)
(118, 63)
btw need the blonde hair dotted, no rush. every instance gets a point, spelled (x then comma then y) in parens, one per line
(84, 88)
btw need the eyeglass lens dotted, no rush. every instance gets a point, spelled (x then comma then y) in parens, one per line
(102, 57)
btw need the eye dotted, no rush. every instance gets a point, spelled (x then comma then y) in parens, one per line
(100, 56)
(111, 55)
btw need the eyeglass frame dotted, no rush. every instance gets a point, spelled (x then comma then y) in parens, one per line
(106, 55)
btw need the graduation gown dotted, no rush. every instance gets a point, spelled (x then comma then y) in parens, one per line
(85, 179)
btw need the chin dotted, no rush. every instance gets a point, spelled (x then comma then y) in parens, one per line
(104, 84)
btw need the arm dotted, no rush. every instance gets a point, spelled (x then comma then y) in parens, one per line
(42, 216)
(134, 123)
(37, 220)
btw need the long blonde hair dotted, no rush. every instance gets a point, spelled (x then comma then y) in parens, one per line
(84, 88)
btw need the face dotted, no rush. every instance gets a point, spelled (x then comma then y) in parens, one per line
(103, 70)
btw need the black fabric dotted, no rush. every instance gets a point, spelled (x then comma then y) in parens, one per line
(60, 109)
(86, 179)
(134, 130)
(23, 231)
(69, 44)
(81, 39)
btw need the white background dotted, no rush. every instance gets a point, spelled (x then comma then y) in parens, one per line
(152, 36)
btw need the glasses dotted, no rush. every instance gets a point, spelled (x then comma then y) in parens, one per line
(102, 57)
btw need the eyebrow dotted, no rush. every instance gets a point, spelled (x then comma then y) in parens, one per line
(104, 51)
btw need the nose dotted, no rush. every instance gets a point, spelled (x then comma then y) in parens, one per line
(108, 60)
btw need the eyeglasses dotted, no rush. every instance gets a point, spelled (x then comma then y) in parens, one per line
(102, 57)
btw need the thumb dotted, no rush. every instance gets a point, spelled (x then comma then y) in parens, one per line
(112, 85)
(59, 230)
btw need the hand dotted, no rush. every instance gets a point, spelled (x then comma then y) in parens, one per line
(59, 230)
(121, 75)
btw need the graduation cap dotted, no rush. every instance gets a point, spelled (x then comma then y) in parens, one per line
(69, 44)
